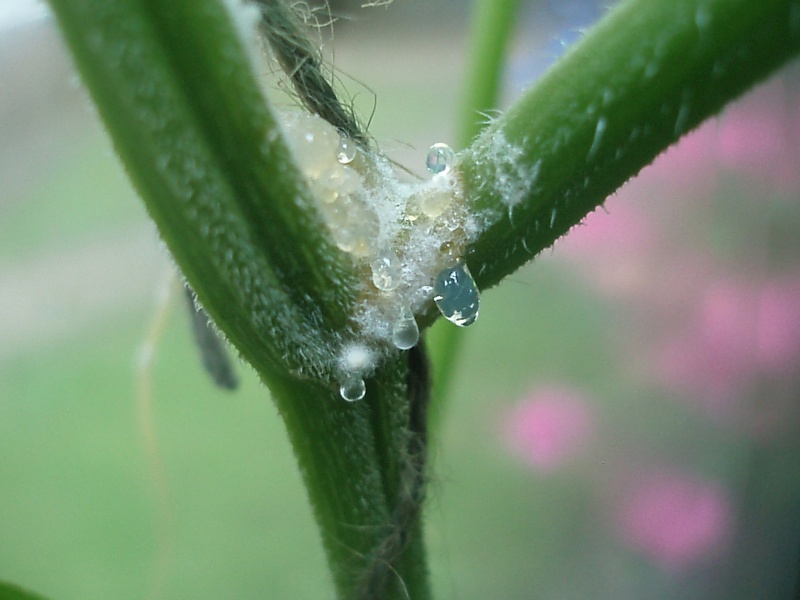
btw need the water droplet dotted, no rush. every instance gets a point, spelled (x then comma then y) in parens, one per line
(456, 295)
(387, 271)
(405, 331)
(353, 389)
(440, 158)
(346, 151)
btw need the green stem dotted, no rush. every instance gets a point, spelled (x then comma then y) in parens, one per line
(175, 86)
(176, 90)
(490, 35)
(492, 28)
(646, 74)
(351, 457)
(10, 591)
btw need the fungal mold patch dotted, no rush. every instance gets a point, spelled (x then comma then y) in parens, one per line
(509, 176)
(405, 237)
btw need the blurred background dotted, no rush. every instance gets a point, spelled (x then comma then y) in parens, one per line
(625, 418)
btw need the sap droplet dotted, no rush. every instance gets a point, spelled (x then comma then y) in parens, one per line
(457, 296)
(346, 151)
(440, 158)
(405, 331)
(387, 270)
(353, 389)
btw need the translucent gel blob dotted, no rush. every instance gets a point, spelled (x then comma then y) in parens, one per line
(434, 203)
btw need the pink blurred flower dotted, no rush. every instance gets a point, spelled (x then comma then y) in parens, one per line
(686, 170)
(675, 519)
(549, 427)
(646, 221)
(738, 332)
(608, 247)
(623, 230)
(759, 136)
(777, 343)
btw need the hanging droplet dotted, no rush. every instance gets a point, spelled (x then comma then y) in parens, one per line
(387, 271)
(456, 295)
(405, 331)
(346, 151)
(440, 158)
(353, 389)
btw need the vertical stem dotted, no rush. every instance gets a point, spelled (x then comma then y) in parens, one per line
(490, 35)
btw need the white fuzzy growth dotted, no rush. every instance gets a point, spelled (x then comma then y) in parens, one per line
(506, 171)
(357, 358)
(399, 234)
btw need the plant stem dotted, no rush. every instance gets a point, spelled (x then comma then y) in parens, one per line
(175, 87)
(492, 28)
(174, 84)
(646, 74)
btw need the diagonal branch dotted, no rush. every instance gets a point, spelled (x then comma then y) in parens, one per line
(649, 72)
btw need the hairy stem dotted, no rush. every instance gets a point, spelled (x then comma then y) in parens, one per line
(175, 86)
(174, 83)
(646, 74)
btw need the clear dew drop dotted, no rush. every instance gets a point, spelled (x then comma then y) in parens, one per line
(405, 331)
(353, 389)
(387, 270)
(456, 295)
(440, 158)
(346, 151)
